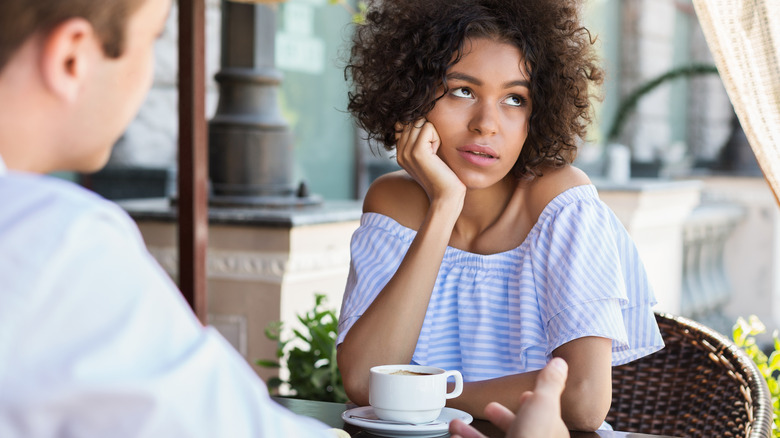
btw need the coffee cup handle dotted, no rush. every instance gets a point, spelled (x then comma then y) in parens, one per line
(458, 383)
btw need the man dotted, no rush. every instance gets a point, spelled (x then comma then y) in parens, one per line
(95, 340)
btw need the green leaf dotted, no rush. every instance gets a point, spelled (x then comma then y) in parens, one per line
(738, 333)
(268, 363)
(301, 336)
(320, 339)
(774, 388)
(774, 360)
(273, 330)
(756, 326)
(274, 382)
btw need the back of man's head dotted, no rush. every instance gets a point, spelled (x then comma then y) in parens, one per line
(21, 19)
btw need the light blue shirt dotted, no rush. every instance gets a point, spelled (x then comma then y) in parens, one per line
(95, 339)
(576, 274)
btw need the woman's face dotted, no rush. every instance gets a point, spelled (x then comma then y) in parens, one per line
(483, 119)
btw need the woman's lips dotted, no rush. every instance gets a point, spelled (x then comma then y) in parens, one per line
(478, 155)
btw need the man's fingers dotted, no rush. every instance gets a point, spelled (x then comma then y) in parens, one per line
(524, 398)
(552, 379)
(499, 415)
(463, 430)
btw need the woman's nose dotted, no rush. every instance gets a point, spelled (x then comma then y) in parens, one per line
(484, 119)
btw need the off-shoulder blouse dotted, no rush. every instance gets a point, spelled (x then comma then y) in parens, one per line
(576, 274)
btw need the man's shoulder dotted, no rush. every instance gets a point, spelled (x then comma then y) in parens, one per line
(54, 227)
(40, 212)
(34, 195)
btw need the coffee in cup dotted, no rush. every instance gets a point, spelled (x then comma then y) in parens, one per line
(411, 393)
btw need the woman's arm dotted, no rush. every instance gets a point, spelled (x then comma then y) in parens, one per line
(387, 332)
(585, 401)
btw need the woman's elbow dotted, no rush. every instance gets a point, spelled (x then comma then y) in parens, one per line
(584, 412)
(355, 383)
(585, 419)
(357, 391)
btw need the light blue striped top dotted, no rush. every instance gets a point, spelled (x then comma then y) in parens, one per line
(576, 274)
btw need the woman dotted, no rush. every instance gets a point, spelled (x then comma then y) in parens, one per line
(489, 252)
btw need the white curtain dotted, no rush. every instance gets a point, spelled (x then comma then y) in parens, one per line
(744, 38)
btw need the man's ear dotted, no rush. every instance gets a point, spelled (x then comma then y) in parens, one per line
(69, 52)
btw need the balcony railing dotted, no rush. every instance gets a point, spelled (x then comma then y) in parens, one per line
(705, 285)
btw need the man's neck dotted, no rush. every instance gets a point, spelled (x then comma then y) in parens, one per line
(27, 118)
(23, 155)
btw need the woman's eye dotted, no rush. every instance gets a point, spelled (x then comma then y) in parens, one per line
(461, 92)
(515, 100)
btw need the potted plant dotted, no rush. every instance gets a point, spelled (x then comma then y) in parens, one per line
(310, 355)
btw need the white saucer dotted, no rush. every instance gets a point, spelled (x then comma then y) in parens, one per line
(437, 428)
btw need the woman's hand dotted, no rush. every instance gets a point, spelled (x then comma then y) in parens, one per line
(416, 147)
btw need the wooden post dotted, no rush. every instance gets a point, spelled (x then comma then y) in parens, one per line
(193, 156)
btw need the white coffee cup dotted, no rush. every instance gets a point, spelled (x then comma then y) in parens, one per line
(411, 393)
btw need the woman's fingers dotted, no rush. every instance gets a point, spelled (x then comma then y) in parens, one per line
(405, 139)
(412, 140)
(416, 152)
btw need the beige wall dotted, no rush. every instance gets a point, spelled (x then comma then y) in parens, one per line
(257, 275)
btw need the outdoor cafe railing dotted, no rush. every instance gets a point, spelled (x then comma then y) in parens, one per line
(705, 284)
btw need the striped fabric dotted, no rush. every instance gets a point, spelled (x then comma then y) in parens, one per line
(576, 274)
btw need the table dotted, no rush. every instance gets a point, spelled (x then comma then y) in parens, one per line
(330, 414)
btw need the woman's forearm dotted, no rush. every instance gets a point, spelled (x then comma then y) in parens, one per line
(585, 400)
(588, 394)
(505, 390)
(387, 332)
(580, 410)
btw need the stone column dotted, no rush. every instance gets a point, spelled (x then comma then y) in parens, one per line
(250, 143)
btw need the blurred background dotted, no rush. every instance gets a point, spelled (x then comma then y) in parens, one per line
(666, 153)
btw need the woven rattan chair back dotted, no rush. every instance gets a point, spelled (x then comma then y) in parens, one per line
(699, 385)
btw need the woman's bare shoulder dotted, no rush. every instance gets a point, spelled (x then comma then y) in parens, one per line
(552, 183)
(397, 195)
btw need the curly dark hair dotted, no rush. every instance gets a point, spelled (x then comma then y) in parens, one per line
(401, 54)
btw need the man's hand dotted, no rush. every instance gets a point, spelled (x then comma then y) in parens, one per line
(539, 415)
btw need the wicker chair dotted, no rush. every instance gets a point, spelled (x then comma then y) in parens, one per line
(699, 385)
